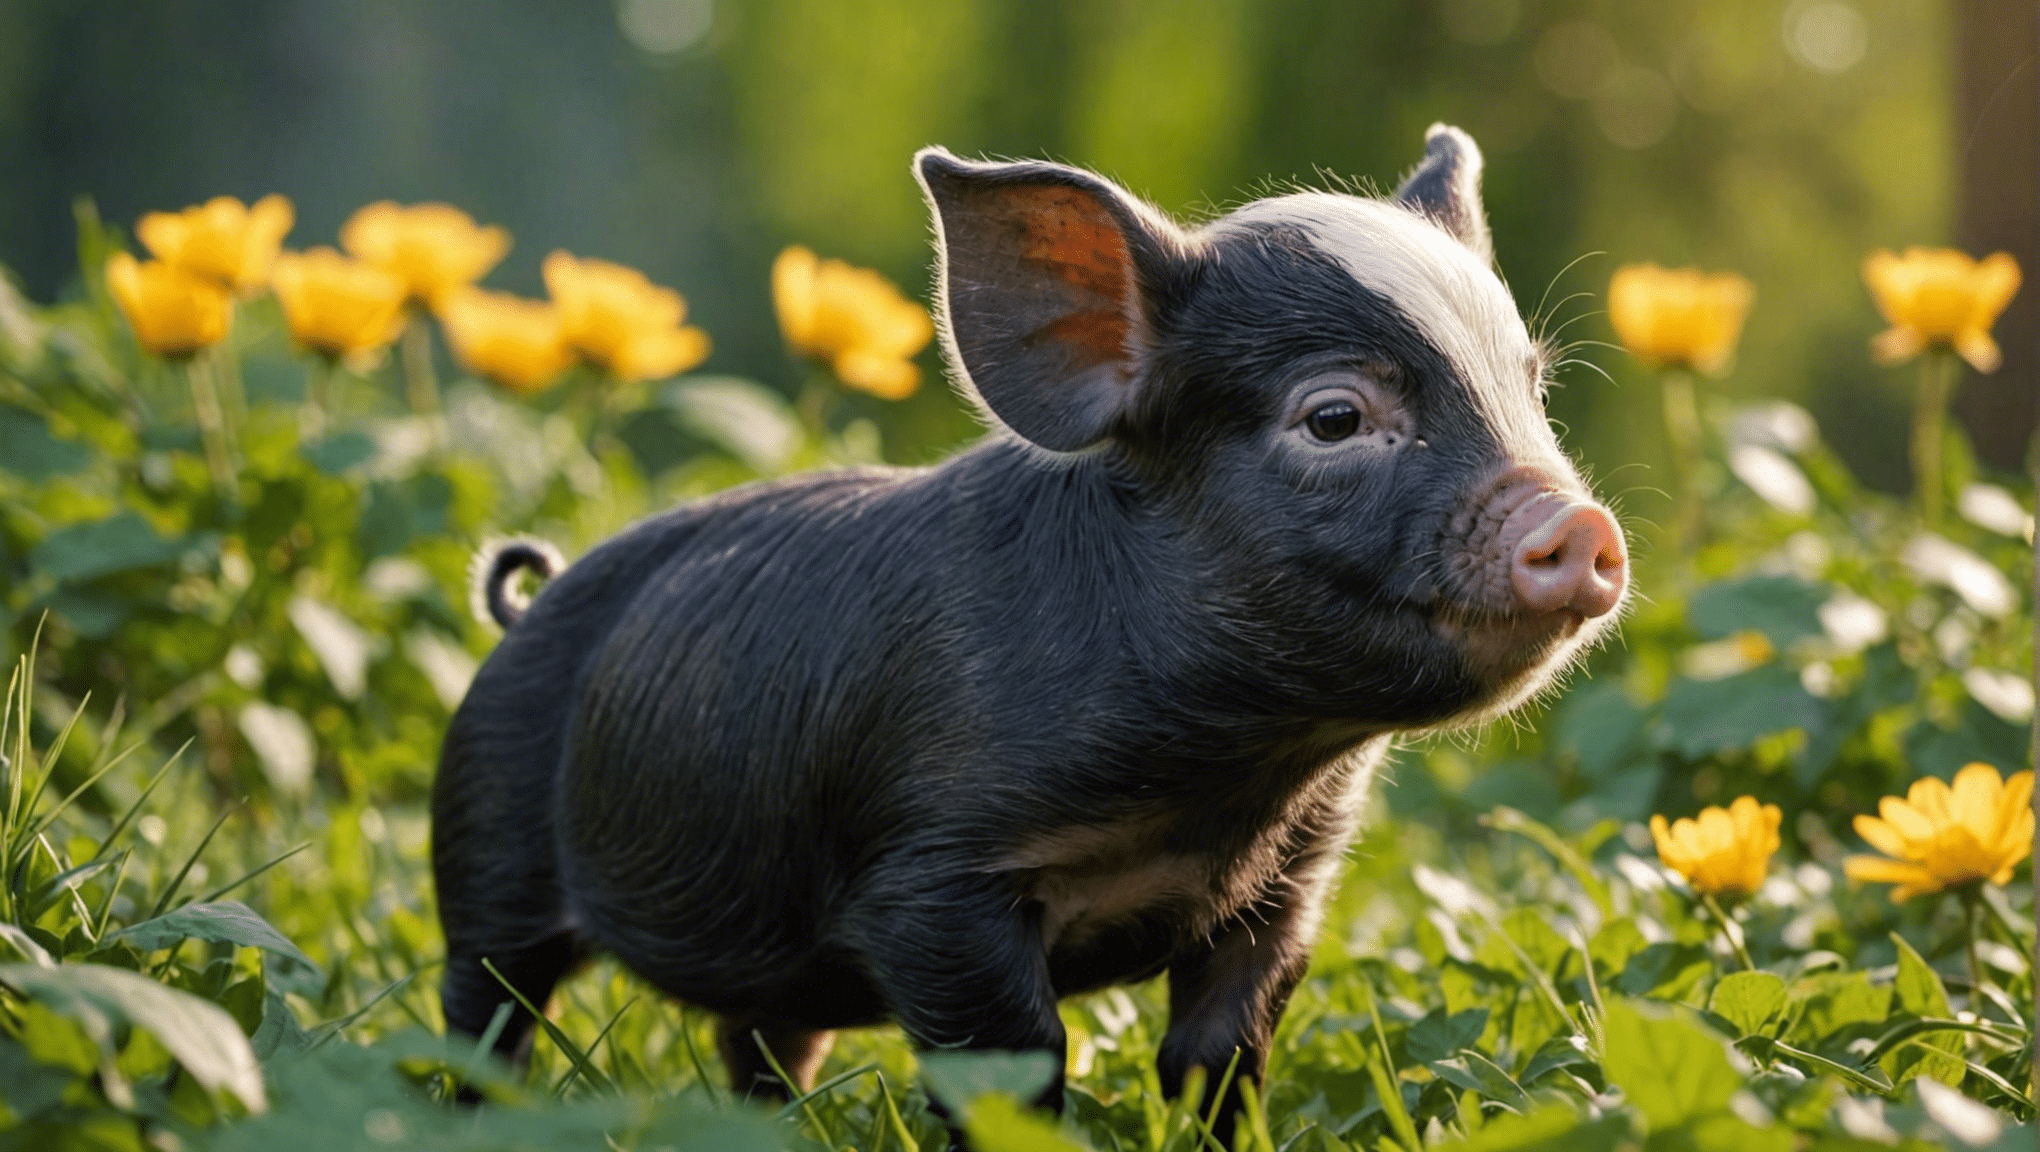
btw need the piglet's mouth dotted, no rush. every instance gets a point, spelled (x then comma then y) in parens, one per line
(1499, 648)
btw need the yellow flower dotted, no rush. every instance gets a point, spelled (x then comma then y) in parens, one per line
(621, 322)
(221, 239)
(1725, 851)
(854, 319)
(514, 342)
(1679, 317)
(336, 306)
(435, 248)
(1940, 296)
(1940, 836)
(173, 312)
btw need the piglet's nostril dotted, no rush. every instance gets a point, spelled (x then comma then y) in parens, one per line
(1574, 560)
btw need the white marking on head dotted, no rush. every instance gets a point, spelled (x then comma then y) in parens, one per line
(1456, 301)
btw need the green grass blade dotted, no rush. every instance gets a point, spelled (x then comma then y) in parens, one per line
(567, 1078)
(332, 1028)
(1382, 1071)
(772, 1062)
(252, 873)
(134, 810)
(560, 1039)
(176, 882)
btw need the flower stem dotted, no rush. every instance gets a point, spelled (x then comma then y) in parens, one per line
(421, 384)
(205, 405)
(316, 413)
(1930, 417)
(2033, 454)
(1970, 899)
(1730, 931)
(1682, 429)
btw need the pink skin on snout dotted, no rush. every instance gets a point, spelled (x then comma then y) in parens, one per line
(1565, 554)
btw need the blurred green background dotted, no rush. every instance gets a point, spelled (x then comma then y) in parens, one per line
(695, 137)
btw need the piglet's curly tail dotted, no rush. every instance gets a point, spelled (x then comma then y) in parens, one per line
(491, 594)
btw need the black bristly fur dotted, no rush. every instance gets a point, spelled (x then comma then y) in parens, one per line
(838, 749)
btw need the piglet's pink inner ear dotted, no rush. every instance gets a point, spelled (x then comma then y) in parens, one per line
(1041, 280)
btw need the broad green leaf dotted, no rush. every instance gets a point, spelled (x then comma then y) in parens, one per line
(1919, 987)
(1439, 1035)
(120, 543)
(1558, 1052)
(1835, 1002)
(1920, 993)
(1618, 940)
(1702, 717)
(997, 1122)
(1602, 728)
(1473, 1071)
(337, 453)
(1748, 1000)
(1783, 608)
(959, 1077)
(1721, 1132)
(32, 1086)
(1668, 1065)
(1665, 970)
(28, 450)
(1553, 1126)
(200, 1035)
(229, 922)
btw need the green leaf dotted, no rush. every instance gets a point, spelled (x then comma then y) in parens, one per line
(1439, 1035)
(1748, 1000)
(1701, 717)
(1550, 1127)
(1668, 1065)
(958, 1077)
(200, 1035)
(1919, 987)
(230, 922)
(1783, 608)
(1559, 1052)
(1477, 1073)
(1722, 1132)
(120, 543)
(1838, 1006)
(337, 453)
(998, 1123)
(28, 450)
(1602, 728)
(1665, 970)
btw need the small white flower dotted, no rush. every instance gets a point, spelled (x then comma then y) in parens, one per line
(283, 744)
(1966, 1120)
(1774, 424)
(1853, 623)
(447, 665)
(1980, 585)
(243, 666)
(2008, 695)
(1992, 507)
(1772, 475)
(340, 644)
(394, 578)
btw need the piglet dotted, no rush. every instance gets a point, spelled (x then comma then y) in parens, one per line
(1091, 701)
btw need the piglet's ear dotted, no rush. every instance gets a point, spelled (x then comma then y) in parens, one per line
(1043, 269)
(1446, 188)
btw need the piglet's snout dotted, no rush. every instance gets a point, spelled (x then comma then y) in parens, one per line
(1567, 555)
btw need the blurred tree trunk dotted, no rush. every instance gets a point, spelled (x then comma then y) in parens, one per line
(1997, 104)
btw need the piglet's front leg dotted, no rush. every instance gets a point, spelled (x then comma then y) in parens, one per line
(961, 965)
(1227, 997)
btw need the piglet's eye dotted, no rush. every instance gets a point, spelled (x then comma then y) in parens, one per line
(1334, 421)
